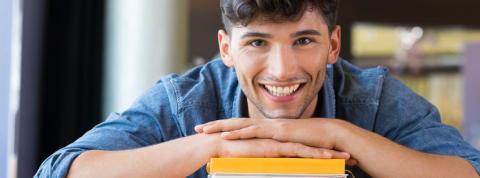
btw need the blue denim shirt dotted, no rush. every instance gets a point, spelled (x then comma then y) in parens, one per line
(369, 98)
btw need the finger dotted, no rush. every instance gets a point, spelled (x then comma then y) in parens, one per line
(339, 155)
(253, 131)
(291, 150)
(228, 125)
(303, 151)
(352, 162)
(199, 128)
(321, 153)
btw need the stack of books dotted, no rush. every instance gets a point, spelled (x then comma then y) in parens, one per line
(276, 167)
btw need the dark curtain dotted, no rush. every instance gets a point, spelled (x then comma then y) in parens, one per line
(61, 83)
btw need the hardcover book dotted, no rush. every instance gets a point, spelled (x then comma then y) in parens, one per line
(276, 167)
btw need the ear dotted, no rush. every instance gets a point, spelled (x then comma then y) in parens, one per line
(224, 47)
(335, 45)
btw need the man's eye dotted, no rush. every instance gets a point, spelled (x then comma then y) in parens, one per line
(257, 43)
(303, 41)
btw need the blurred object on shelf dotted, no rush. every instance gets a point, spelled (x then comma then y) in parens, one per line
(407, 55)
(471, 71)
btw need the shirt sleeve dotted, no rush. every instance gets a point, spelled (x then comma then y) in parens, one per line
(408, 119)
(147, 122)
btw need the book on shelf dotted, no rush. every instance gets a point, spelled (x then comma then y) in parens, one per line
(276, 167)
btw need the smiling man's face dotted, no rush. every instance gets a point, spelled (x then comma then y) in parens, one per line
(281, 66)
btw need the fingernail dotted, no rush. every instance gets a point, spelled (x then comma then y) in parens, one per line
(198, 128)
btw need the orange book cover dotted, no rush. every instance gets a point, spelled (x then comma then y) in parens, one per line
(301, 166)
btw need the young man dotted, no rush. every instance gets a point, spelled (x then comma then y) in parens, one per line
(279, 90)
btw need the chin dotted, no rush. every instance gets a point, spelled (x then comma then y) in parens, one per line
(277, 115)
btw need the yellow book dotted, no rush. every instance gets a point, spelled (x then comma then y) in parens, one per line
(275, 167)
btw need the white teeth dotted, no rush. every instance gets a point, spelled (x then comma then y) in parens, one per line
(282, 91)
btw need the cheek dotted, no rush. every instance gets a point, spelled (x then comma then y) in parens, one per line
(250, 58)
(246, 73)
(248, 64)
(314, 64)
(246, 82)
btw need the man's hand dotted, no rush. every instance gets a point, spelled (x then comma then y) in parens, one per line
(305, 132)
(273, 148)
(311, 132)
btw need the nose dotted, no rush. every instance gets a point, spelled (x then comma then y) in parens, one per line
(282, 62)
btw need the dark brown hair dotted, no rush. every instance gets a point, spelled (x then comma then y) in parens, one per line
(242, 12)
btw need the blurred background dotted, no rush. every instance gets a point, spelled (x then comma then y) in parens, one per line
(64, 65)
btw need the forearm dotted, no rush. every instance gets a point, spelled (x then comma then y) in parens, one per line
(381, 157)
(176, 158)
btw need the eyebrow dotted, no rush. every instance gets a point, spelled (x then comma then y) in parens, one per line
(305, 32)
(255, 34)
(265, 35)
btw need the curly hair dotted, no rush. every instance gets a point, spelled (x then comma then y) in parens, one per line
(242, 12)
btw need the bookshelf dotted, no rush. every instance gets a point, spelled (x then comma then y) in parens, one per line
(429, 60)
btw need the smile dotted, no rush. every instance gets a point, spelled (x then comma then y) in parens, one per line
(282, 90)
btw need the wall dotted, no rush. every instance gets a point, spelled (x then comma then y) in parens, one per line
(145, 39)
(471, 95)
(5, 63)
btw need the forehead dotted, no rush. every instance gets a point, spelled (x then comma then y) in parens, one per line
(311, 19)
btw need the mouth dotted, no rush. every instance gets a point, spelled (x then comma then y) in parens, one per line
(282, 91)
